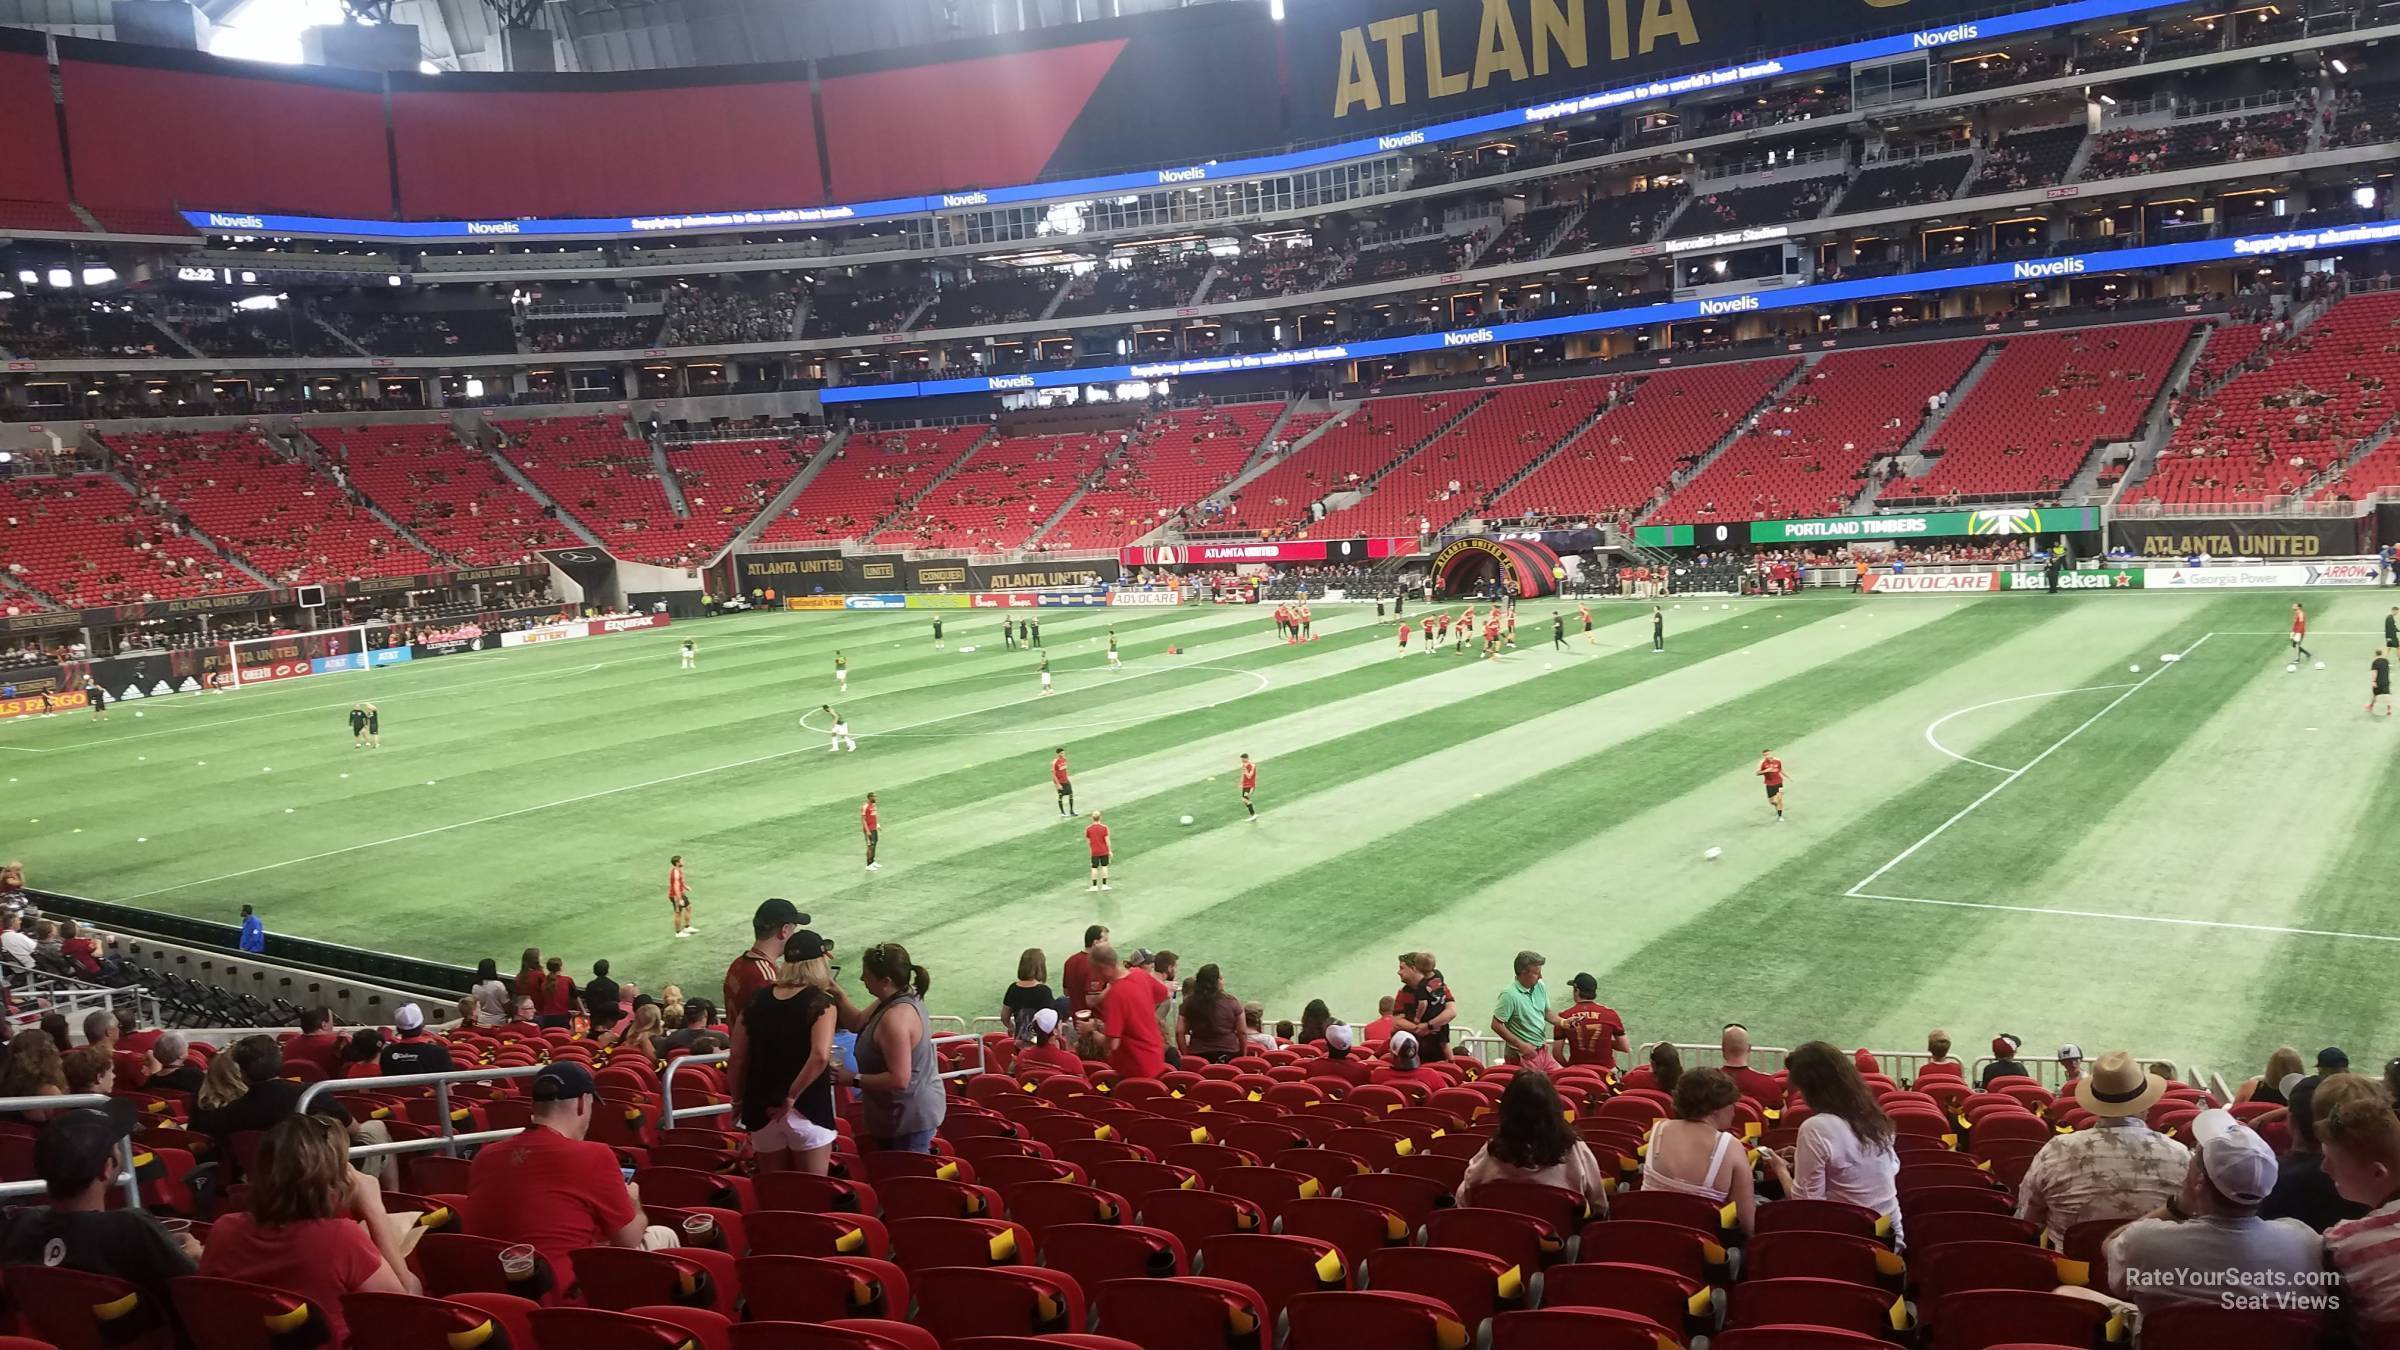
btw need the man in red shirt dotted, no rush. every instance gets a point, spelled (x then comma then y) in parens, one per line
(679, 897)
(1405, 630)
(1379, 1031)
(1046, 1052)
(1590, 1031)
(1338, 1061)
(1083, 986)
(1129, 1015)
(1058, 779)
(549, 1186)
(772, 926)
(315, 1045)
(1096, 834)
(1249, 785)
(1771, 770)
(1733, 1047)
(871, 825)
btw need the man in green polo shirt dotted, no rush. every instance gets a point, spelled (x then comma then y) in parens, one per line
(1523, 1020)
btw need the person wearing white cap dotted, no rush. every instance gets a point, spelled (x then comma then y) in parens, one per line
(2118, 1169)
(1341, 1059)
(412, 1051)
(1044, 1051)
(2208, 1242)
(1408, 1066)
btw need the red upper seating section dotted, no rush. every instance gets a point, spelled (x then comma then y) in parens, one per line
(727, 483)
(2038, 412)
(602, 476)
(83, 540)
(871, 476)
(1175, 461)
(2307, 406)
(1002, 495)
(2228, 346)
(448, 494)
(1460, 469)
(1376, 433)
(277, 513)
(1664, 423)
(1805, 455)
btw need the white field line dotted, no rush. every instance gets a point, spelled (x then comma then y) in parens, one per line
(2127, 918)
(1936, 724)
(687, 775)
(2014, 774)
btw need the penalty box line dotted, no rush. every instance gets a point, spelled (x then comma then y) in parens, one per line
(1859, 891)
(2169, 920)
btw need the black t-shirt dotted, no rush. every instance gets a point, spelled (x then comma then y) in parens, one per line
(2003, 1068)
(415, 1055)
(125, 1243)
(778, 1033)
(262, 1108)
(2303, 1191)
(1022, 1003)
(2391, 631)
(603, 1000)
(358, 718)
(698, 1040)
(184, 1077)
(2383, 673)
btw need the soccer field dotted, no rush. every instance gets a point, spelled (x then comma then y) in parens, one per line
(1996, 824)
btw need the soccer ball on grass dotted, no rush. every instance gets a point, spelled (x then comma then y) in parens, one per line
(1187, 820)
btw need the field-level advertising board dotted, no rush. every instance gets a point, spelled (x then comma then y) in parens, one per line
(2020, 521)
(285, 656)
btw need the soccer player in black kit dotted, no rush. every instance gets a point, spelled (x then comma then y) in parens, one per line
(937, 635)
(1658, 629)
(1558, 631)
(358, 726)
(2382, 691)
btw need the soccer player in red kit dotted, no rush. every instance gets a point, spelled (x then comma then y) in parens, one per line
(2300, 651)
(679, 896)
(1491, 639)
(1096, 835)
(1058, 779)
(871, 825)
(1770, 769)
(1308, 630)
(1405, 630)
(1249, 785)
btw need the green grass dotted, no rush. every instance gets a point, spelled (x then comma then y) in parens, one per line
(2185, 861)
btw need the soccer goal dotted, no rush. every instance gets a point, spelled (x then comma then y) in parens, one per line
(320, 651)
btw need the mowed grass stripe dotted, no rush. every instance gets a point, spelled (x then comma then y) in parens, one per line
(1354, 891)
(1859, 968)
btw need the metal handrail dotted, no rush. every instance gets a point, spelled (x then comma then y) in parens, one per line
(15, 1189)
(449, 1139)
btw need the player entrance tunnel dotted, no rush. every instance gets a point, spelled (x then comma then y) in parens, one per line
(1522, 567)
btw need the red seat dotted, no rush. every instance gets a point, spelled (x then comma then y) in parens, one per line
(1413, 1198)
(1821, 1216)
(1271, 1188)
(1518, 1239)
(815, 1194)
(1075, 1340)
(1957, 1267)
(1817, 1303)
(1661, 1296)
(236, 1315)
(1385, 1319)
(959, 1301)
(1358, 1228)
(1689, 1211)
(601, 1329)
(1043, 1205)
(407, 1322)
(924, 1242)
(1277, 1267)
(1195, 1216)
(623, 1278)
(1667, 1246)
(793, 1232)
(1476, 1285)
(1927, 1231)
(1208, 1159)
(76, 1311)
(1562, 1210)
(853, 1333)
(1097, 1253)
(932, 1197)
(1985, 1318)
(1820, 1256)
(1796, 1338)
(1581, 1328)
(823, 1288)
(1188, 1312)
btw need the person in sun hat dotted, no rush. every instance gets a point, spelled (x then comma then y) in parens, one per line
(2211, 1229)
(2004, 1061)
(2118, 1169)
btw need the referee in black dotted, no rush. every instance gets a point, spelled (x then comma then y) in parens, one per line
(2391, 629)
(1658, 628)
(1558, 631)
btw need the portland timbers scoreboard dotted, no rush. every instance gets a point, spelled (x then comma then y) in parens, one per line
(1858, 529)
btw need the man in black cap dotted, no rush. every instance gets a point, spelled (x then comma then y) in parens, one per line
(76, 1159)
(772, 926)
(552, 1188)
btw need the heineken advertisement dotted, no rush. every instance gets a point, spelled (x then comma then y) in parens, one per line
(1851, 529)
(2120, 579)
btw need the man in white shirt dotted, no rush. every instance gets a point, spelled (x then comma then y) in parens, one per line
(2118, 1169)
(17, 945)
(2209, 1243)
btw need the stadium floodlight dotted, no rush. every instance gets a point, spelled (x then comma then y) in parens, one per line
(60, 278)
(2362, 196)
(1275, 10)
(2340, 66)
(99, 276)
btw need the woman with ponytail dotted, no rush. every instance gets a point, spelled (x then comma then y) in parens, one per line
(898, 1080)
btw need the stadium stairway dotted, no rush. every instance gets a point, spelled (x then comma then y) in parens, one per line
(1615, 392)
(337, 336)
(308, 450)
(667, 480)
(1264, 458)
(906, 507)
(493, 451)
(1741, 426)
(1913, 451)
(782, 501)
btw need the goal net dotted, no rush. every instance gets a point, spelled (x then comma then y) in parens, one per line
(322, 651)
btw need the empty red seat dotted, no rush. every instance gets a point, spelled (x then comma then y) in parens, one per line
(958, 1301)
(1277, 1266)
(1188, 1312)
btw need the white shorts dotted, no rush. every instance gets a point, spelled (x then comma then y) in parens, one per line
(791, 1131)
(841, 728)
(1045, 679)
